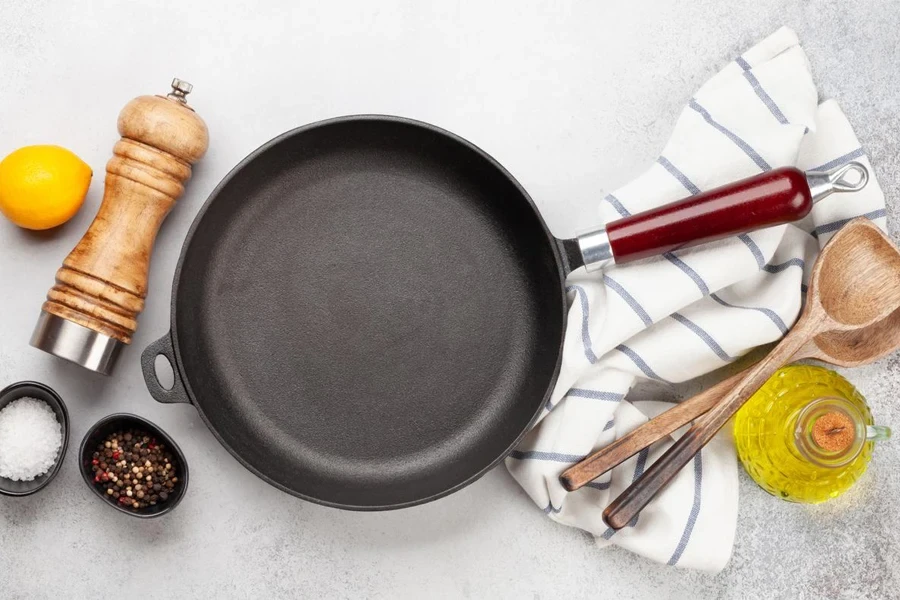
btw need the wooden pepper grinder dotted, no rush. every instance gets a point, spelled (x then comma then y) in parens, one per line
(100, 289)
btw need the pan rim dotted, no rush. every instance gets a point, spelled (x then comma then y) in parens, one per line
(551, 242)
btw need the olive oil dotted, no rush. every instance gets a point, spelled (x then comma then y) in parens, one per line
(806, 435)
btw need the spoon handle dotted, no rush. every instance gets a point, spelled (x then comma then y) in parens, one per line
(629, 504)
(644, 436)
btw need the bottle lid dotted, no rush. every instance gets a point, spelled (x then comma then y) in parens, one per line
(834, 431)
(830, 432)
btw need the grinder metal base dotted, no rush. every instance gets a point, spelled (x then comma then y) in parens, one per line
(76, 343)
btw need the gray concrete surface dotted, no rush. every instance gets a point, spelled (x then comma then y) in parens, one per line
(574, 97)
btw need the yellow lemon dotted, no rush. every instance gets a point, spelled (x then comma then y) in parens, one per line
(42, 186)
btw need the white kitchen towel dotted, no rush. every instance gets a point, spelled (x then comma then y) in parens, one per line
(689, 312)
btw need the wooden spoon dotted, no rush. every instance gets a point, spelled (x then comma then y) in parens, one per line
(855, 283)
(862, 346)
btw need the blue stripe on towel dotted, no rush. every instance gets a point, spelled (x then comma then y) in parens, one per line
(840, 160)
(599, 485)
(596, 395)
(677, 174)
(639, 362)
(695, 277)
(551, 509)
(609, 425)
(757, 253)
(593, 394)
(794, 262)
(695, 512)
(629, 299)
(585, 319)
(835, 225)
(740, 143)
(703, 335)
(773, 316)
(763, 95)
(641, 464)
(620, 208)
(548, 456)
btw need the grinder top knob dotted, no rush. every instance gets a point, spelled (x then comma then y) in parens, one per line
(180, 89)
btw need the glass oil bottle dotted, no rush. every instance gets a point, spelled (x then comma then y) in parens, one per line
(807, 435)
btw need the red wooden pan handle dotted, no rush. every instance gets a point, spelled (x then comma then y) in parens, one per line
(772, 198)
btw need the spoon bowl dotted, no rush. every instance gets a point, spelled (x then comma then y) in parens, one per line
(856, 347)
(857, 281)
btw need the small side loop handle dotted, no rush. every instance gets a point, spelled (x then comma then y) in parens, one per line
(163, 347)
(877, 433)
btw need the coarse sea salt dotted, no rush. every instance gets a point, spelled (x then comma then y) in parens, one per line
(30, 437)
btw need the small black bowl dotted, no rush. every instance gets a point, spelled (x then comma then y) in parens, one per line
(33, 389)
(124, 421)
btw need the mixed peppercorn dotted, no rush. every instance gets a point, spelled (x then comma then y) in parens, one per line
(134, 470)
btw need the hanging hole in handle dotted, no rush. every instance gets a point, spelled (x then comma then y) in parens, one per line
(852, 177)
(165, 373)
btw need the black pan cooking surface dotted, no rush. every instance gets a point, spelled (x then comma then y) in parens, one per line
(368, 312)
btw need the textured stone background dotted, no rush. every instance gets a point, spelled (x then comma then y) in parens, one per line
(573, 97)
